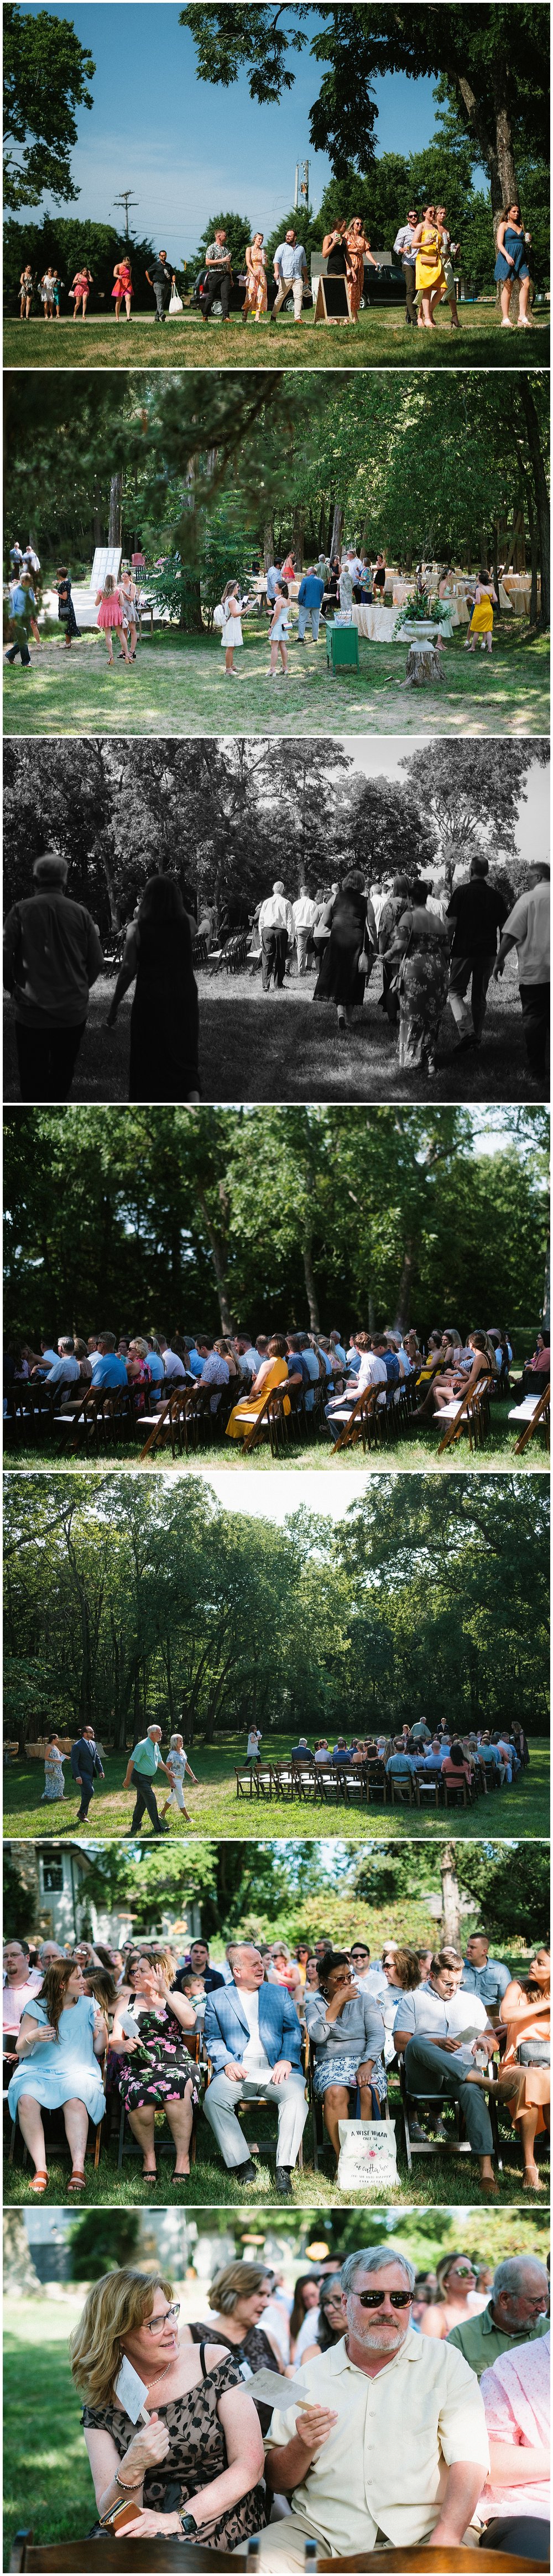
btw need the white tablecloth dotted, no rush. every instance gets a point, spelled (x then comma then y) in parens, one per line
(377, 624)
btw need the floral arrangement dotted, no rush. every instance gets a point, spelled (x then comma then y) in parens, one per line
(422, 606)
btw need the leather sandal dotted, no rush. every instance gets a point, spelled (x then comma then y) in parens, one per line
(39, 2181)
(77, 2179)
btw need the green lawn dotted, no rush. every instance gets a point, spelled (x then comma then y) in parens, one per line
(380, 339)
(257, 1046)
(215, 1809)
(178, 686)
(420, 1451)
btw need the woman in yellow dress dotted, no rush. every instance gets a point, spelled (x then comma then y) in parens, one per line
(358, 250)
(485, 600)
(429, 268)
(273, 1372)
(256, 290)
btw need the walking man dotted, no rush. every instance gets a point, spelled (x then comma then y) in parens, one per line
(290, 268)
(527, 930)
(276, 930)
(219, 278)
(476, 912)
(162, 278)
(85, 1764)
(310, 598)
(140, 1774)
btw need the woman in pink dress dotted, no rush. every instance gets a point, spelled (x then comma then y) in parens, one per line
(110, 616)
(123, 287)
(81, 289)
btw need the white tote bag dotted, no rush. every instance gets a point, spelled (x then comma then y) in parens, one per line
(175, 302)
(368, 2155)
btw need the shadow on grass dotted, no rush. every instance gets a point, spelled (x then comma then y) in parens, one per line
(216, 1810)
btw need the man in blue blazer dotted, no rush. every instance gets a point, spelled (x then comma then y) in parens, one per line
(253, 2037)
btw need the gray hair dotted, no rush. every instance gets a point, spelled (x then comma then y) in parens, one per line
(374, 2258)
(508, 2277)
(51, 869)
(235, 1949)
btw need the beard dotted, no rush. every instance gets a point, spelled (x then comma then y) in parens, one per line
(379, 2338)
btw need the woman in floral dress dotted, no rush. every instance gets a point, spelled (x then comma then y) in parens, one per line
(256, 291)
(156, 2072)
(419, 955)
(54, 1783)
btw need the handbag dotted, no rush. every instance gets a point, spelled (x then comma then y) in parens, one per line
(175, 304)
(534, 2052)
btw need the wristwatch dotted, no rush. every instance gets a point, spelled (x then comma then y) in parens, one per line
(188, 2526)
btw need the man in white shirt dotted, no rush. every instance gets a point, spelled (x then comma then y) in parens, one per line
(304, 912)
(429, 2030)
(276, 931)
(290, 268)
(66, 1367)
(527, 930)
(405, 250)
(390, 2448)
(371, 1372)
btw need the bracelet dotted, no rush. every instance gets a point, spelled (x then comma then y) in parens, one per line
(129, 2486)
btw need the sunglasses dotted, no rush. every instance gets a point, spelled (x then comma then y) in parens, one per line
(156, 2325)
(375, 2298)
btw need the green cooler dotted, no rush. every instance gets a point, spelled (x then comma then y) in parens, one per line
(342, 645)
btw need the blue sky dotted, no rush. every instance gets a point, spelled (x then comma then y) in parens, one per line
(186, 150)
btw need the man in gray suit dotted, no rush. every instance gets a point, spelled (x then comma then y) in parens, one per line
(253, 2037)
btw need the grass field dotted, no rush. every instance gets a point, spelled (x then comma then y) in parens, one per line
(215, 1809)
(446, 2177)
(409, 1456)
(380, 339)
(267, 1047)
(178, 686)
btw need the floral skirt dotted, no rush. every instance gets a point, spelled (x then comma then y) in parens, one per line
(340, 2067)
(163, 2081)
(422, 985)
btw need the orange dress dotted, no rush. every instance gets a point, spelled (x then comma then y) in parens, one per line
(531, 2085)
(355, 277)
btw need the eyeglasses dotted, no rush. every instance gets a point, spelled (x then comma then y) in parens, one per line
(155, 2325)
(375, 2298)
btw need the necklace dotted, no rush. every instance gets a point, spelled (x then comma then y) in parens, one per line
(161, 2374)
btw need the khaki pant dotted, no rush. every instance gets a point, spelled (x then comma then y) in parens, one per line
(289, 285)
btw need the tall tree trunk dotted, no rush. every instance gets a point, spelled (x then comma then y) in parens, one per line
(336, 531)
(297, 535)
(404, 1290)
(219, 1264)
(539, 479)
(115, 510)
(268, 543)
(309, 1276)
(451, 1903)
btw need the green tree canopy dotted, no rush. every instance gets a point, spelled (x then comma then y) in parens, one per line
(45, 74)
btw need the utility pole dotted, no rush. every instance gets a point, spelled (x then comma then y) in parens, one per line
(301, 186)
(126, 199)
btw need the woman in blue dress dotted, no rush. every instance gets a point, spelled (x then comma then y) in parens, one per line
(512, 261)
(61, 2035)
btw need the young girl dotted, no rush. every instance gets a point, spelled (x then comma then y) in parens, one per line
(110, 616)
(123, 287)
(177, 1765)
(231, 631)
(278, 629)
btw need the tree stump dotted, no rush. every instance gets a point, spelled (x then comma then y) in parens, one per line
(424, 665)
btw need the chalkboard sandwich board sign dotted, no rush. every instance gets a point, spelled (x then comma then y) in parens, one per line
(332, 303)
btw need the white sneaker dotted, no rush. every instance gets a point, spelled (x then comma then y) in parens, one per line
(506, 325)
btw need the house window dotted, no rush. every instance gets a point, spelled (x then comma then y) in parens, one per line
(52, 1874)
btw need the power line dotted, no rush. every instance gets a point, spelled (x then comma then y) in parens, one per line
(126, 199)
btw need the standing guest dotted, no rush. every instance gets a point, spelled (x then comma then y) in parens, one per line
(390, 2447)
(429, 270)
(54, 1783)
(449, 251)
(304, 912)
(46, 292)
(485, 600)
(61, 2035)
(276, 931)
(517, 2495)
(273, 574)
(253, 1744)
(86, 1767)
(231, 631)
(81, 290)
(123, 290)
(22, 609)
(288, 568)
(66, 612)
(405, 250)
(379, 575)
(164, 1032)
(256, 289)
(290, 268)
(345, 584)
(145, 1760)
(110, 616)
(52, 955)
(26, 285)
(128, 598)
(512, 262)
(476, 912)
(419, 955)
(201, 2445)
(58, 288)
(358, 251)
(178, 1766)
(347, 957)
(527, 930)
(310, 599)
(278, 629)
(163, 278)
(516, 2312)
(217, 287)
(335, 252)
(347, 2031)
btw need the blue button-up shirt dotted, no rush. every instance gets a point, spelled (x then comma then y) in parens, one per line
(487, 1982)
(290, 259)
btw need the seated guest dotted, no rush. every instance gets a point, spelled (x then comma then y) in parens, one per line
(366, 1368)
(273, 1372)
(108, 1370)
(341, 1753)
(163, 2077)
(401, 1976)
(483, 1976)
(199, 2458)
(524, 2075)
(322, 1753)
(516, 2498)
(490, 1755)
(455, 1768)
(517, 2313)
(253, 2037)
(238, 2297)
(400, 1763)
(347, 2031)
(434, 1759)
(19, 1982)
(438, 2011)
(330, 2325)
(456, 2283)
(191, 1985)
(283, 1970)
(61, 2034)
(380, 2454)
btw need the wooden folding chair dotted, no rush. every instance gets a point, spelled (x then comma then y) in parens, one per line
(539, 1420)
(472, 1414)
(92, 2556)
(361, 1421)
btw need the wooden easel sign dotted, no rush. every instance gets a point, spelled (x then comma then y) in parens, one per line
(332, 303)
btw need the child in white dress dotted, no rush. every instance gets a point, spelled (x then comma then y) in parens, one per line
(177, 1765)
